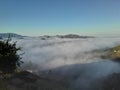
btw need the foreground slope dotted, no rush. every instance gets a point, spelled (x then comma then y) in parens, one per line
(27, 81)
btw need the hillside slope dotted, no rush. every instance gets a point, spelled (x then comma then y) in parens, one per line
(28, 81)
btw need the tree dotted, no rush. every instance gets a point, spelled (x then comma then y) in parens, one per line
(10, 60)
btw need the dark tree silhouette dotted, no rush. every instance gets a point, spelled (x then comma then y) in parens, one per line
(9, 58)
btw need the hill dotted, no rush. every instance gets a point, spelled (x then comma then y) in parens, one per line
(6, 35)
(73, 36)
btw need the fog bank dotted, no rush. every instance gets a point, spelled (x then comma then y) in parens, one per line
(76, 61)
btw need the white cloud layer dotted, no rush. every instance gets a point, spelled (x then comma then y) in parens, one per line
(68, 57)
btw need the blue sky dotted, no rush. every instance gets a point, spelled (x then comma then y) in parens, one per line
(39, 17)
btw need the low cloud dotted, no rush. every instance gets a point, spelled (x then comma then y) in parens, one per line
(68, 57)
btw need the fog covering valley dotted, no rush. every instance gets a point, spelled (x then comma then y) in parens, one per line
(77, 63)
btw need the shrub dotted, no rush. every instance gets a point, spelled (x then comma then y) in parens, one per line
(9, 58)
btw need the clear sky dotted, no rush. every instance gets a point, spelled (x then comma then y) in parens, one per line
(38, 17)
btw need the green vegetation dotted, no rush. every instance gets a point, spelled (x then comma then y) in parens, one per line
(9, 58)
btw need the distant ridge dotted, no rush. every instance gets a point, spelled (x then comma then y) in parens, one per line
(65, 36)
(6, 35)
(73, 36)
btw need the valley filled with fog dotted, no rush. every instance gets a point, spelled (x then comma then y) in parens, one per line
(75, 62)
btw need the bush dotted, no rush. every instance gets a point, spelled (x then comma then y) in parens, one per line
(9, 58)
